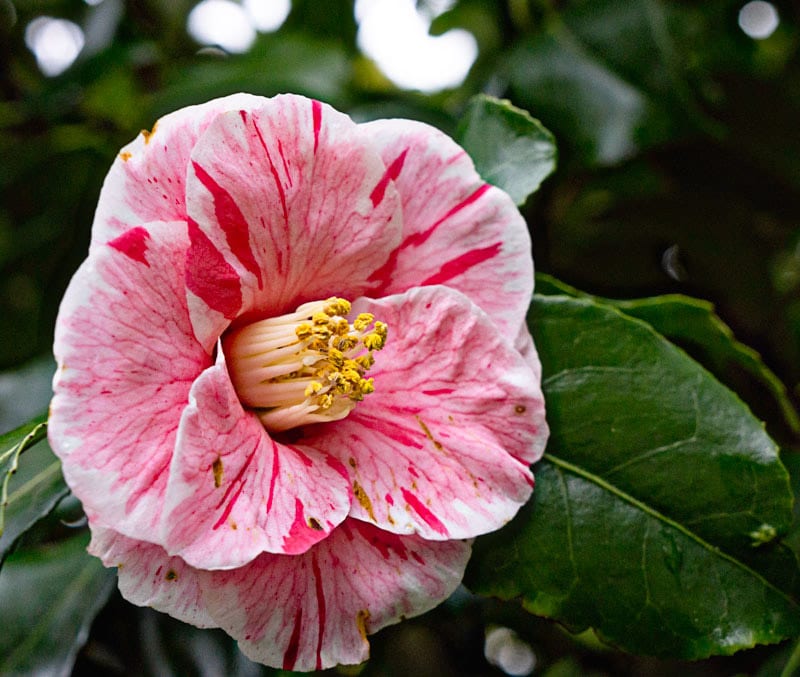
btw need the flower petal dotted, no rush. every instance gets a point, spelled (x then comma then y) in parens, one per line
(442, 447)
(147, 181)
(457, 230)
(234, 493)
(147, 576)
(127, 357)
(314, 610)
(289, 195)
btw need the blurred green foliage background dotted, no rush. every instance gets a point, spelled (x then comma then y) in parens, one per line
(679, 138)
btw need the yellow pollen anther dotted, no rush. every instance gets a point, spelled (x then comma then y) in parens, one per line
(304, 367)
(373, 342)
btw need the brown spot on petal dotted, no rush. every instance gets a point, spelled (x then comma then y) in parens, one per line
(520, 409)
(314, 524)
(362, 618)
(125, 156)
(363, 499)
(171, 575)
(216, 466)
(352, 462)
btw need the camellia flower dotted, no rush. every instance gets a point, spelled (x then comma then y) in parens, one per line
(294, 374)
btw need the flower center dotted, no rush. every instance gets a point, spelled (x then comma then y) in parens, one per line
(304, 367)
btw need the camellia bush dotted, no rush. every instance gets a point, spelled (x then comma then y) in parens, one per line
(312, 408)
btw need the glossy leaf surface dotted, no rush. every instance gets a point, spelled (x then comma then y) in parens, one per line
(657, 503)
(511, 150)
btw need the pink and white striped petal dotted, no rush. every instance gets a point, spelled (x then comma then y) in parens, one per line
(126, 358)
(147, 576)
(234, 492)
(457, 230)
(315, 610)
(442, 447)
(296, 203)
(147, 181)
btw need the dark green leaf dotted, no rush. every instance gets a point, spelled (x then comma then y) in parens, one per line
(49, 597)
(33, 492)
(12, 444)
(511, 150)
(693, 324)
(588, 105)
(658, 503)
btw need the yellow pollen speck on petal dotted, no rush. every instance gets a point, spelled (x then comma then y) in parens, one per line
(363, 499)
(216, 466)
(148, 134)
(429, 434)
(305, 367)
(125, 156)
(362, 618)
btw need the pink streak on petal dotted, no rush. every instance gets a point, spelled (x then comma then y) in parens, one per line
(392, 172)
(309, 611)
(339, 467)
(133, 243)
(448, 211)
(273, 171)
(210, 276)
(290, 657)
(320, 608)
(307, 210)
(305, 459)
(301, 536)
(238, 485)
(234, 492)
(127, 357)
(450, 447)
(274, 478)
(316, 108)
(417, 239)
(439, 391)
(419, 507)
(147, 181)
(232, 222)
(462, 264)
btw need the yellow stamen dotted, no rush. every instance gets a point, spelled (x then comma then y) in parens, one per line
(304, 367)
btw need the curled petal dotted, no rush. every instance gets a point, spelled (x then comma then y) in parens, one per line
(234, 492)
(147, 181)
(457, 230)
(314, 610)
(127, 357)
(147, 576)
(442, 447)
(293, 200)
